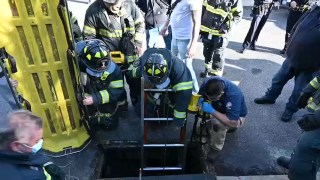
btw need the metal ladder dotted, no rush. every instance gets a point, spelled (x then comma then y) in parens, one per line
(182, 144)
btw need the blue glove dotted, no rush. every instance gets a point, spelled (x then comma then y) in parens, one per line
(207, 108)
(200, 101)
(179, 122)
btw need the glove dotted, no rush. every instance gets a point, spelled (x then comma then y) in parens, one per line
(200, 101)
(179, 122)
(303, 100)
(206, 107)
(308, 122)
(55, 171)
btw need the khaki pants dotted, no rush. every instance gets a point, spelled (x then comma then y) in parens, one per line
(218, 133)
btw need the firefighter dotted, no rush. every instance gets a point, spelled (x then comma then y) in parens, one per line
(227, 109)
(297, 8)
(75, 28)
(218, 18)
(260, 12)
(304, 162)
(121, 26)
(20, 143)
(162, 70)
(103, 83)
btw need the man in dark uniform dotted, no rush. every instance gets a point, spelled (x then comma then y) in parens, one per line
(218, 18)
(305, 159)
(260, 12)
(228, 110)
(20, 141)
(161, 70)
(297, 9)
(301, 63)
(103, 83)
(120, 25)
(156, 15)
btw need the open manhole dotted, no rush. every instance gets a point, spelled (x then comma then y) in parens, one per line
(124, 161)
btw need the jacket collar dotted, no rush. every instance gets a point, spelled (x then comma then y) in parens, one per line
(22, 158)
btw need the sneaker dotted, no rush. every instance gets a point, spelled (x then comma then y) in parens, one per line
(264, 100)
(286, 116)
(284, 162)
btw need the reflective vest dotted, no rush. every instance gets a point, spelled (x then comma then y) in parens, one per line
(214, 14)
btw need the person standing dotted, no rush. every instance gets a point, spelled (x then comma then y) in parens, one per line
(218, 18)
(185, 22)
(301, 63)
(120, 25)
(156, 15)
(20, 143)
(297, 9)
(260, 12)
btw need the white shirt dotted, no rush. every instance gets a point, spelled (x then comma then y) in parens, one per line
(181, 18)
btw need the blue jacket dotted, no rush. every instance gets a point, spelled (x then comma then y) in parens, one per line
(231, 103)
(304, 43)
(18, 166)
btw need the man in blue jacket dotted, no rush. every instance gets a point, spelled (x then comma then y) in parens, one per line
(227, 110)
(20, 142)
(301, 63)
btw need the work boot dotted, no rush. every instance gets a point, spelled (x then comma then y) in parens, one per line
(213, 155)
(284, 162)
(242, 50)
(123, 110)
(253, 48)
(283, 51)
(204, 74)
(286, 116)
(264, 100)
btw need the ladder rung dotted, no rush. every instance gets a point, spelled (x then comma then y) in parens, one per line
(161, 168)
(163, 145)
(158, 119)
(158, 90)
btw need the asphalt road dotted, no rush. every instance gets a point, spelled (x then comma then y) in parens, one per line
(253, 149)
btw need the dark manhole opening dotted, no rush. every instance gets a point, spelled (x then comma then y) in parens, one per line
(124, 161)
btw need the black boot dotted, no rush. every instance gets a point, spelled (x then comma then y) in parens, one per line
(242, 50)
(123, 110)
(286, 116)
(264, 100)
(283, 51)
(253, 48)
(204, 74)
(284, 162)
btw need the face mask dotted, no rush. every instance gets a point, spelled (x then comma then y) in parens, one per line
(36, 147)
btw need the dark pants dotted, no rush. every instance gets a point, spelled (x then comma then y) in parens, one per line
(279, 80)
(257, 23)
(306, 157)
(293, 17)
(214, 54)
(167, 39)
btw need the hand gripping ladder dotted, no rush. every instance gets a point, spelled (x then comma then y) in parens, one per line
(182, 144)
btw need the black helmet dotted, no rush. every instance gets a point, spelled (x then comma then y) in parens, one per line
(156, 69)
(94, 54)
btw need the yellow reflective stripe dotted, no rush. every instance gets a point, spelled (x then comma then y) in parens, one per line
(105, 96)
(116, 84)
(139, 36)
(104, 75)
(233, 10)
(47, 174)
(313, 106)
(89, 30)
(183, 86)
(134, 72)
(178, 114)
(210, 31)
(129, 29)
(314, 83)
(216, 10)
(73, 19)
(115, 33)
(139, 20)
(104, 115)
(132, 58)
